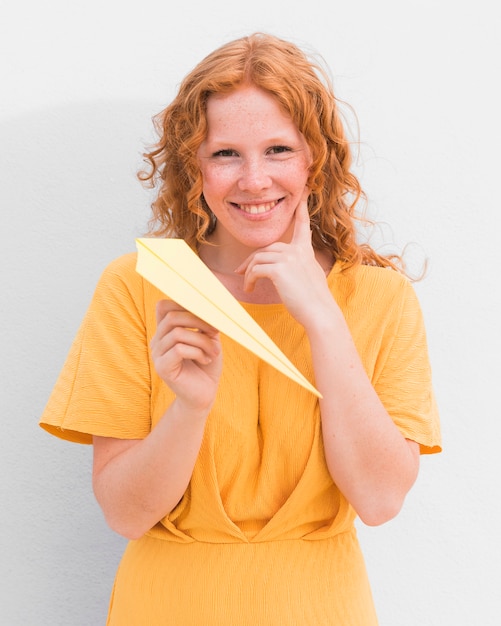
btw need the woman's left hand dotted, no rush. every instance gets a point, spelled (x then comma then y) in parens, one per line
(293, 268)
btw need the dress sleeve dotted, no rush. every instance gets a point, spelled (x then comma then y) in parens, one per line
(104, 387)
(403, 378)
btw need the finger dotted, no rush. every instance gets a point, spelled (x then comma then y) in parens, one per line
(170, 315)
(171, 364)
(164, 306)
(179, 337)
(302, 224)
(269, 254)
(258, 271)
(168, 352)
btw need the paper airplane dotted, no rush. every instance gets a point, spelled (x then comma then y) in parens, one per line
(174, 268)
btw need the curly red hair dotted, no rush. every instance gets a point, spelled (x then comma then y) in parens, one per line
(304, 90)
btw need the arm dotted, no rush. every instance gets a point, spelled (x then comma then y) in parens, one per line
(138, 482)
(368, 458)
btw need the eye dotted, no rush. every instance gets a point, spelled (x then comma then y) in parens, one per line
(227, 152)
(279, 149)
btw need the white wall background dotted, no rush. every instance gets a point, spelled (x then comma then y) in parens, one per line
(79, 82)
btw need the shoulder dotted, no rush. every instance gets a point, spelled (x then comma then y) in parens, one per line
(119, 282)
(368, 275)
(369, 283)
(123, 266)
(121, 271)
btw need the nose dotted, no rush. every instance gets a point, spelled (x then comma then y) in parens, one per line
(254, 175)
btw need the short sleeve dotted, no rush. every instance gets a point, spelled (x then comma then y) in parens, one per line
(403, 377)
(104, 387)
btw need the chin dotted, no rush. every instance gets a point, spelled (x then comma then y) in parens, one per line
(263, 239)
(262, 242)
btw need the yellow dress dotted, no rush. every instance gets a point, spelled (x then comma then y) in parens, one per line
(262, 536)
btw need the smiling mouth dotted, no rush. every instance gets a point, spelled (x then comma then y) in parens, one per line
(256, 209)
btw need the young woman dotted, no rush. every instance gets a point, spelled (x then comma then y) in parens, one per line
(237, 487)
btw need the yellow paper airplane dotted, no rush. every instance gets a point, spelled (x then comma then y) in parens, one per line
(173, 267)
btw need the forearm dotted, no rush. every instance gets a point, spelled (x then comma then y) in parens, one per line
(138, 483)
(367, 456)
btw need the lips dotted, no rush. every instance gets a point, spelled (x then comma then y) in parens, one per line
(256, 209)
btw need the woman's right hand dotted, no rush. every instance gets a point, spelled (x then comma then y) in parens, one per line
(187, 355)
(139, 481)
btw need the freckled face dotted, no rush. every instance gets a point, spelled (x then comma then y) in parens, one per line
(254, 165)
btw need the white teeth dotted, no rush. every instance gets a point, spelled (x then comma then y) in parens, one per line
(257, 208)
